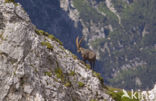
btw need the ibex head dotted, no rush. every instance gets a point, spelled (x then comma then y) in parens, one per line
(78, 43)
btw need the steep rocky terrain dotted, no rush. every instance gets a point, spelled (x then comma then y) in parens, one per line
(121, 32)
(34, 66)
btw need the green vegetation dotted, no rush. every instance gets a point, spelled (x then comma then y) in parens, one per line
(98, 42)
(59, 74)
(118, 93)
(11, 1)
(93, 100)
(111, 17)
(88, 66)
(68, 84)
(127, 42)
(8, 1)
(72, 73)
(98, 76)
(63, 77)
(48, 74)
(53, 38)
(135, 17)
(1, 37)
(87, 12)
(47, 44)
(119, 5)
(81, 84)
(74, 56)
(50, 36)
(41, 32)
(144, 74)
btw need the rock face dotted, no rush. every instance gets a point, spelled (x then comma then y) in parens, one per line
(35, 67)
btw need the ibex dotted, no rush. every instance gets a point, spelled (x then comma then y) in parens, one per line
(86, 53)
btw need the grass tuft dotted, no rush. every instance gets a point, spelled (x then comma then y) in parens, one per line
(88, 66)
(72, 73)
(48, 74)
(54, 38)
(81, 84)
(50, 36)
(59, 74)
(98, 75)
(9, 1)
(41, 32)
(67, 84)
(93, 100)
(47, 44)
(117, 94)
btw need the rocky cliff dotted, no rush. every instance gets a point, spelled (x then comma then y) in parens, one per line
(34, 66)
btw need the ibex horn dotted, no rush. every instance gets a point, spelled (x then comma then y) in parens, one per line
(77, 42)
(81, 41)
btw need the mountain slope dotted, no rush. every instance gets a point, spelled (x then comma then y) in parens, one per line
(121, 32)
(34, 66)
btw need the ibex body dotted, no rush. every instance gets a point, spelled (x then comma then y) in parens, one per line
(86, 53)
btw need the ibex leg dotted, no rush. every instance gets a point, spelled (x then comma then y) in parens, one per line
(91, 64)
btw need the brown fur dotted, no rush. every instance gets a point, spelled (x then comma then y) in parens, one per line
(86, 53)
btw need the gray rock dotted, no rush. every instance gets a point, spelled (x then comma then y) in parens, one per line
(29, 71)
